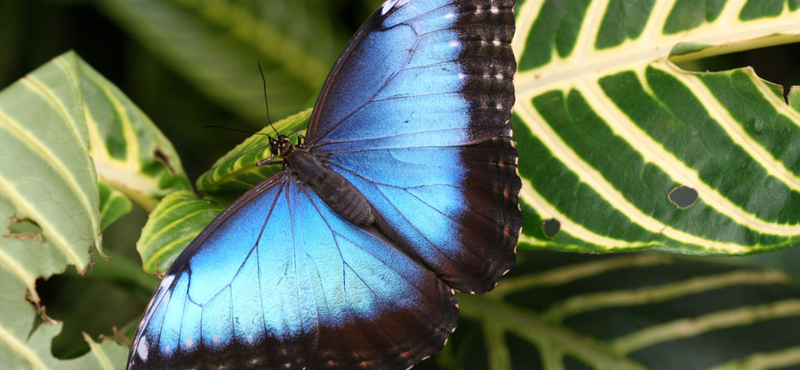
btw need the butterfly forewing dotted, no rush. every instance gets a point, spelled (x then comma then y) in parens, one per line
(415, 115)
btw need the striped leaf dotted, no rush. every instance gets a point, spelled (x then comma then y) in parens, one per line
(56, 125)
(622, 150)
(45, 168)
(128, 150)
(25, 256)
(237, 171)
(61, 128)
(636, 311)
(177, 220)
(214, 45)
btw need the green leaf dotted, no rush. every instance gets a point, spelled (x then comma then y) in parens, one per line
(237, 171)
(175, 222)
(56, 125)
(45, 168)
(128, 150)
(113, 205)
(51, 121)
(612, 134)
(214, 45)
(635, 311)
(24, 257)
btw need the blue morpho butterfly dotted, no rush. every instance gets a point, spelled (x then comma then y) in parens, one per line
(405, 189)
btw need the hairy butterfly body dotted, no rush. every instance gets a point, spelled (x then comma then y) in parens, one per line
(405, 190)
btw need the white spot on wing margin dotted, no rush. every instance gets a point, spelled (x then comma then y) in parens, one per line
(142, 349)
(389, 4)
(141, 345)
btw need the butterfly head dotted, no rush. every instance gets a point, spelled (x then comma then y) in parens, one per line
(281, 146)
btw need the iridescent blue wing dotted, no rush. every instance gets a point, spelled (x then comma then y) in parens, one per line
(415, 114)
(280, 281)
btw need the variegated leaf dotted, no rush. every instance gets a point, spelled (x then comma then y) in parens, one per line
(129, 151)
(622, 150)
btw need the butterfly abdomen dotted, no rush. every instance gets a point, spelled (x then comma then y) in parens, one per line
(332, 188)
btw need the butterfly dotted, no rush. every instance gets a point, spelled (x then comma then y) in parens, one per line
(404, 190)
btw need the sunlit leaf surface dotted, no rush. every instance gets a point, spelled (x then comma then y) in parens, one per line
(26, 255)
(45, 168)
(64, 129)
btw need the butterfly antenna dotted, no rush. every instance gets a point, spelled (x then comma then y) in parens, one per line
(235, 130)
(266, 101)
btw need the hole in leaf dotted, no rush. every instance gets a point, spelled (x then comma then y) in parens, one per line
(94, 303)
(551, 227)
(683, 197)
(776, 64)
(23, 228)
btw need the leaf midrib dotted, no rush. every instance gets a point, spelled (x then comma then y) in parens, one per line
(528, 325)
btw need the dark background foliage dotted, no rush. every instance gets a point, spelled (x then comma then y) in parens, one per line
(113, 294)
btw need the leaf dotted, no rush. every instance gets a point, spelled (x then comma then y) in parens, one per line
(113, 205)
(128, 150)
(636, 311)
(45, 168)
(622, 150)
(24, 258)
(175, 222)
(214, 45)
(50, 201)
(237, 171)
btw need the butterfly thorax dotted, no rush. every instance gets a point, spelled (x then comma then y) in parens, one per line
(332, 188)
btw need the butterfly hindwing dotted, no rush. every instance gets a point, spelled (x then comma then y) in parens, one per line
(223, 301)
(415, 115)
(378, 308)
(280, 281)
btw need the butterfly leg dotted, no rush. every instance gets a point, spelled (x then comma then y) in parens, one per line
(268, 161)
